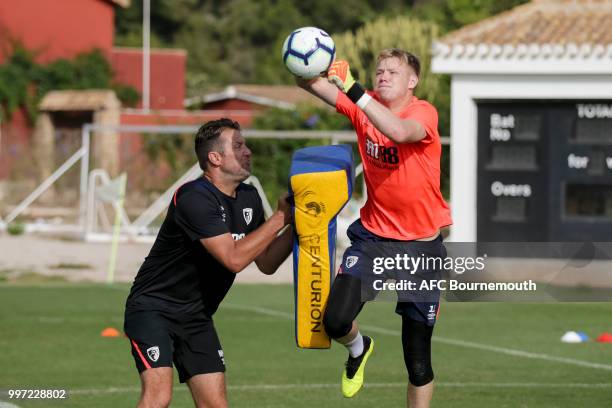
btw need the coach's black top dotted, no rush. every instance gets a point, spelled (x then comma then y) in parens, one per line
(179, 274)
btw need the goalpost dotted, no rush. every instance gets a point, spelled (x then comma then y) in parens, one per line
(95, 187)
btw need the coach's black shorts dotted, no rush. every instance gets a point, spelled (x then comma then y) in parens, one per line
(160, 338)
(357, 262)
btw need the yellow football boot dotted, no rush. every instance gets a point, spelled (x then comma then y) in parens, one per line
(352, 376)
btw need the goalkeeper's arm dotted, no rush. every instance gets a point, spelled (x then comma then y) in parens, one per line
(396, 129)
(321, 88)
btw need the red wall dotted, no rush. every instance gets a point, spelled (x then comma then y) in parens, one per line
(167, 67)
(14, 142)
(52, 29)
(56, 28)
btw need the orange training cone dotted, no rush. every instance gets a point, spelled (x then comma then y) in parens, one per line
(605, 338)
(110, 332)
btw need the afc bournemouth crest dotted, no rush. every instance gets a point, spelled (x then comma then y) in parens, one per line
(351, 260)
(153, 353)
(247, 213)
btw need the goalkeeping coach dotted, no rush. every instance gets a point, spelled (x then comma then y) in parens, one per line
(214, 228)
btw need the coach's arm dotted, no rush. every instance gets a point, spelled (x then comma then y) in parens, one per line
(276, 253)
(264, 241)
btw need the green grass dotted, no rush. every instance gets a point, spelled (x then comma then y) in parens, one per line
(50, 338)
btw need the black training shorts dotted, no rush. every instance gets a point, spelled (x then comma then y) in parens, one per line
(160, 338)
(357, 262)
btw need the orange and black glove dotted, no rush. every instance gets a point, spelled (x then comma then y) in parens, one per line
(339, 74)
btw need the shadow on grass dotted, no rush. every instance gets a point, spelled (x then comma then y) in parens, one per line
(28, 277)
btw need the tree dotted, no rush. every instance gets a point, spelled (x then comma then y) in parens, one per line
(453, 14)
(361, 48)
(272, 158)
(239, 41)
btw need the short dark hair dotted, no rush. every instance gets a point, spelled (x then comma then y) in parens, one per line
(408, 57)
(206, 139)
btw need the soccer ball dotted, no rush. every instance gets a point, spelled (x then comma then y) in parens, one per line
(308, 52)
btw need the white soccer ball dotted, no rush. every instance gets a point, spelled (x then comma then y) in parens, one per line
(308, 52)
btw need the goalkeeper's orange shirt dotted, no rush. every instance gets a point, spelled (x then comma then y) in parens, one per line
(403, 180)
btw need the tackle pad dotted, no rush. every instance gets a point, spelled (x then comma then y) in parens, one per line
(321, 183)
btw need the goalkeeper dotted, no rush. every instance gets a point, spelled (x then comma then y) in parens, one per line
(400, 148)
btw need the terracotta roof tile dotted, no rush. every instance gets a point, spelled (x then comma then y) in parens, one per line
(542, 22)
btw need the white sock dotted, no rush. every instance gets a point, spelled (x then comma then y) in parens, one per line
(355, 346)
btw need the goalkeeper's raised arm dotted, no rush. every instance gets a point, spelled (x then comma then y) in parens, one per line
(394, 87)
(319, 87)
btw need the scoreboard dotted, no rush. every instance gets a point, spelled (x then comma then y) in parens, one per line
(544, 171)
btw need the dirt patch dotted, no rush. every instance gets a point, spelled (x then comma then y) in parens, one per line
(75, 260)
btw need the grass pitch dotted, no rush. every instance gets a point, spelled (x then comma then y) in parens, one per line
(484, 354)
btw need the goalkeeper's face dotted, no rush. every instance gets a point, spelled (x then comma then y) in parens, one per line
(236, 156)
(394, 79)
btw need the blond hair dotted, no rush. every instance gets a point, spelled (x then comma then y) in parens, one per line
(408, 58)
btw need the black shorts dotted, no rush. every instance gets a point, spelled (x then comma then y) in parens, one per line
(160, 338)
(357, 262)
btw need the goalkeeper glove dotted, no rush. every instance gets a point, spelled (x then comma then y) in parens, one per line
(339, 74)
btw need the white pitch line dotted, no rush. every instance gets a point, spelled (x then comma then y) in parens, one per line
(280, 387)
(454, 342)
(60, 320)
(501, 350)
(438, 384)
(526, 354)
(260, 310)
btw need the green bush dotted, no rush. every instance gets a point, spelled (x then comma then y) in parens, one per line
(23, 82)
(272, 157)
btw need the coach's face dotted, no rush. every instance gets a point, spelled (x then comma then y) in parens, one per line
(236, 155)
(394, 79)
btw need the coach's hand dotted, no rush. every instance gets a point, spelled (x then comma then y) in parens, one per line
(339, 74)
(284, 205)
